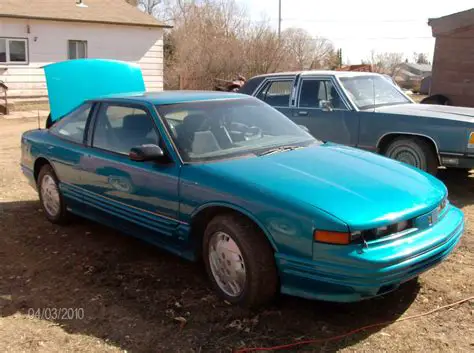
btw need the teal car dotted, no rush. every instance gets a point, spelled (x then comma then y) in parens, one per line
(227, 179)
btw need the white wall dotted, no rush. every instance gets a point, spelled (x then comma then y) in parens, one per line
(48, 42)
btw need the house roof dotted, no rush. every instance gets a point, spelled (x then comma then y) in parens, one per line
(419, 67)
(450, 23)
(95, 11)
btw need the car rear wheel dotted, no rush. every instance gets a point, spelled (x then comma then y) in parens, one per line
(50, 196)
(414, 151)
(239, 261)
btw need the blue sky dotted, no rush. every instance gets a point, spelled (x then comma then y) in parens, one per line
(358, 26)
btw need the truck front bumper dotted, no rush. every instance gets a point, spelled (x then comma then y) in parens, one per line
(464, 161)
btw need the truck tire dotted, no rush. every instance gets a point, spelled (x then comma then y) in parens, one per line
(414, 151)
(438, 99)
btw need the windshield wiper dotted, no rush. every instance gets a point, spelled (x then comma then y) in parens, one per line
(278, 149)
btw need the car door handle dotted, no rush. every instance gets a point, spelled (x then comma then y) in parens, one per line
(302, 113)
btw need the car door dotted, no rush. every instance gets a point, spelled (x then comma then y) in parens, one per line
(276, 92)
(67, 152)
(323, 109)
(143, 194)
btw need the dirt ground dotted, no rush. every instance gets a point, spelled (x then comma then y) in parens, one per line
(137, 298)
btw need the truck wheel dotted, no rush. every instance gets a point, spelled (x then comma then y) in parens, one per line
(438, 99)
(50, 196)
(239, 261)
(414, 151)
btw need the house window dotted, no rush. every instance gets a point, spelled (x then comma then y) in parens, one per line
(13, 51)
(77, 49)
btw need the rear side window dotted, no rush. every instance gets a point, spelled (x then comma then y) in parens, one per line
(312, 92)
(120, 128)
(73, 125)
(276, 93)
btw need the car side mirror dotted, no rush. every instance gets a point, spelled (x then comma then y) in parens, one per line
(304, 128)
(146, 153)
(325, 105)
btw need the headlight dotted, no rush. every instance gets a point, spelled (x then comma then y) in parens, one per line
(380, 232)
(442, 204)
(342, 238)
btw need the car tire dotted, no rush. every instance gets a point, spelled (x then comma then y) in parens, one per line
(414, 151)
(51, 199)
(239, 261)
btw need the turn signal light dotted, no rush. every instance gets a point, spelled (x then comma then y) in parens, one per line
(325, 236)
(470, 144)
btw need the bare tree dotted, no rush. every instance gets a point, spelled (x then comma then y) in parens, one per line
(385, 62)
(149, 6)
(420, 58)
(262, 50)
(305, 51)
(216, 39)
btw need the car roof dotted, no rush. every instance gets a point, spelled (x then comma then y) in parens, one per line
(172, 97)
(319, 72)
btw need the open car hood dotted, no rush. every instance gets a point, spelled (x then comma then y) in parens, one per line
(72, 82)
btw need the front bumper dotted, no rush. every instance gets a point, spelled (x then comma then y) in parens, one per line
(353, 273)
(458, 161)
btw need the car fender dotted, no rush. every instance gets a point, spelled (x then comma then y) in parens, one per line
(239, 209)
(380, 139)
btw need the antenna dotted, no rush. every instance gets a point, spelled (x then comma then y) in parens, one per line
(373, 91)
(38, 117)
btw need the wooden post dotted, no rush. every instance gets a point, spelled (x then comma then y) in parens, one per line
(5, 89)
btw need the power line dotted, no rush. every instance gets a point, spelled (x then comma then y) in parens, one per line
(377, 38)
(355, 20)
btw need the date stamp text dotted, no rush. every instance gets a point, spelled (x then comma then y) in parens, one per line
(56, 313)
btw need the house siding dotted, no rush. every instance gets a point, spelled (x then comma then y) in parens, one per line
(48, 43)
(453, 67)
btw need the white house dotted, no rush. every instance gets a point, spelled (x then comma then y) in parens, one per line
(34, 33)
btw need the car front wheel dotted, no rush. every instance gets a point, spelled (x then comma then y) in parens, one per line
(414, 151)
(239, 261)
(50, 196)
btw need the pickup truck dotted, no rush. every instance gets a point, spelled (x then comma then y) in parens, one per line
(368, 111)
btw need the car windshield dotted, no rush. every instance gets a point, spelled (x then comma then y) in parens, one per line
(219, 129)
(369, 92)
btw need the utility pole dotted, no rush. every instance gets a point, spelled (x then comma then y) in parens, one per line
(279, 19)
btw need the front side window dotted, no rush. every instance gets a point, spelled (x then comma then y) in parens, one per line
(315, 93)
(276, 93)
(72, 126)
(219, 129)
(371, 91)
(120, 128)
(77, 49)
(13, 51)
